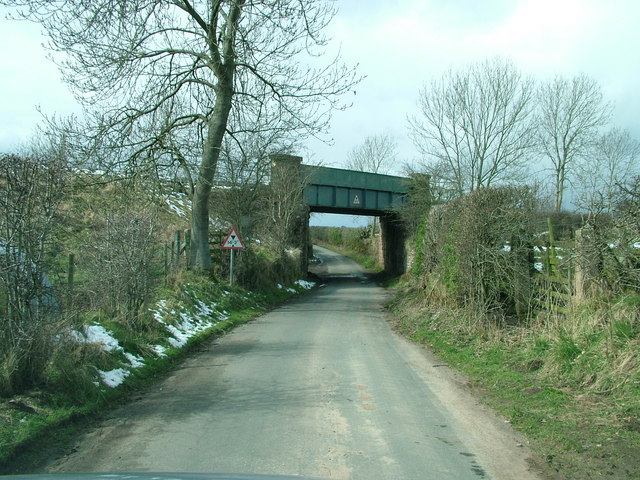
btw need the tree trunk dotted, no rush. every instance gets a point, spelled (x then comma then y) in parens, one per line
(200, 256)
(559, 188)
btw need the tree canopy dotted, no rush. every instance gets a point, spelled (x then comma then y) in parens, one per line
(165, 81)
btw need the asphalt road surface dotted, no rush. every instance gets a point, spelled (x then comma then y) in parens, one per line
(320, 387)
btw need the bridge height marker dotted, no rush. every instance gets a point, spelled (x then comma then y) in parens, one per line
(233, 242)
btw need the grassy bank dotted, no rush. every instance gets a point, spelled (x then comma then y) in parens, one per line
(570, 384)
(102, 361)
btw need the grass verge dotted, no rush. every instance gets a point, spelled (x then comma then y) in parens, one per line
(571, 385)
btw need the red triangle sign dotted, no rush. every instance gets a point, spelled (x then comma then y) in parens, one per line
(233, 241)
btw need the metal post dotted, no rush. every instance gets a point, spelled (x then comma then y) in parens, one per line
(231, 269)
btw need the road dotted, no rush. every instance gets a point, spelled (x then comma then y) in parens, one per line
(321, 387)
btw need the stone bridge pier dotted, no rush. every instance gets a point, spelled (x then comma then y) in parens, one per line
(393, 244)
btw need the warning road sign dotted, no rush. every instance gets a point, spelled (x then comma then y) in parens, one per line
(233, 241)
(356, 200)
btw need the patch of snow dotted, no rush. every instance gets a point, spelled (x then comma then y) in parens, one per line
(179, 338)
(182, 324)
(636, 245)
(178, 203)
(188, 325)
(114, 378)
(176, 209)
(538, 266)
(218, 224)
(305, 284)
(288, 289)
(205, 310)
(134, 360)
(160, 350)
(157, 314)
(98, 334)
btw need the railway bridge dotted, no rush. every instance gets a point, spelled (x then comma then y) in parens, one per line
(335, 190)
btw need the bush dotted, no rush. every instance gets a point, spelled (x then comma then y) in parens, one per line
(123, 262)
(255, 269)
(478, 247)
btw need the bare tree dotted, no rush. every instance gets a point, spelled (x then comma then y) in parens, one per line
(284, 216)
(474, 126)
(571, 112)
(31, 190)
(611, 161)
(243, 175)
(158, 74)
(123, 257)
(377, 154)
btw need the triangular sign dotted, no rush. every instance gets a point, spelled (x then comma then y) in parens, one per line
(356, 200)
(233, 241)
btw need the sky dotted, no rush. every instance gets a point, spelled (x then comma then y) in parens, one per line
(399, 46)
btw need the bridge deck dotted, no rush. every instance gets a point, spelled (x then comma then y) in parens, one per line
(334, 190)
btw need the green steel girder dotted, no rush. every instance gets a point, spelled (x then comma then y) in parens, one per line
(334, 190)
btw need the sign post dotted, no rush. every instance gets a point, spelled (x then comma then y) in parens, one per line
(232, 242)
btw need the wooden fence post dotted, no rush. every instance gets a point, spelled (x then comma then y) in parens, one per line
(550, 254)
(522, 261)
(178, 237)
(71, 270)
(166, 259)
(588, 262)
(187, 245)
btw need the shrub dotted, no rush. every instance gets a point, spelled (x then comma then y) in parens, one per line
(475, 246)
(123, 261)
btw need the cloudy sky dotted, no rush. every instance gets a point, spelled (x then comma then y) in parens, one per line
(399, 45)
(402, 45)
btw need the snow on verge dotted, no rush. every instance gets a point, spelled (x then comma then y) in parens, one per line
(305, 284)
(113, 378)
(183, 325)
(100, 335)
